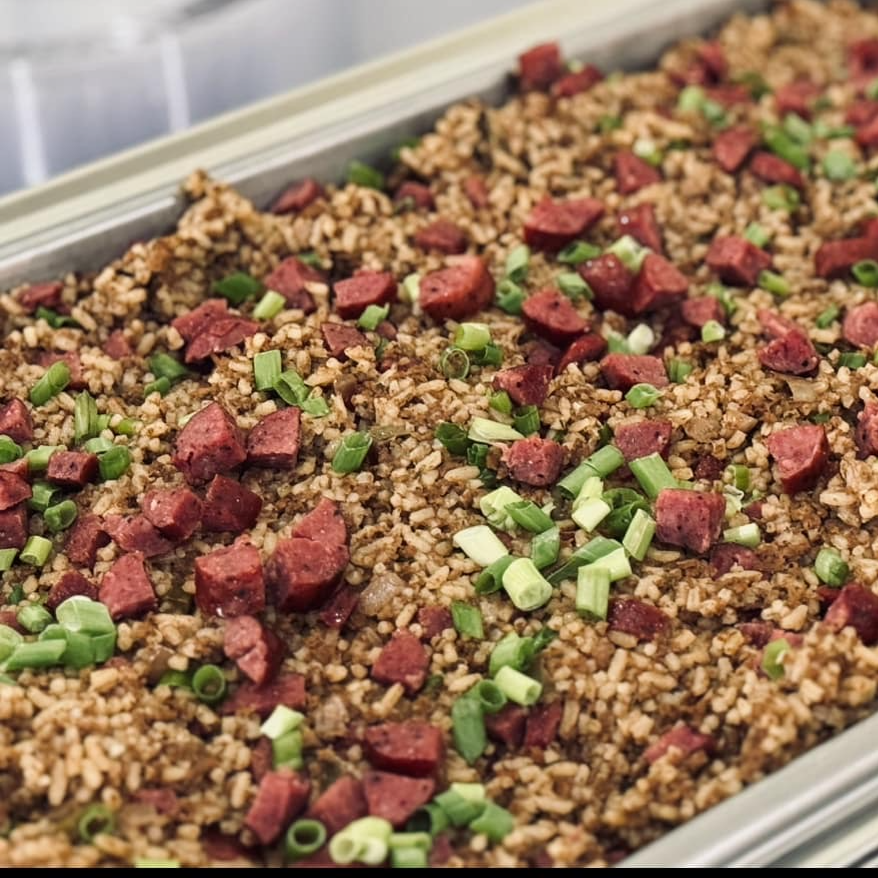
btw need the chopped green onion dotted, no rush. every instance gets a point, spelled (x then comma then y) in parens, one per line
(361, 174)
(37, 654)
(467, 620)
(270, 305)
(408, 858)
(590, 512)
(754, 82)
(831, 568)
(544, 548)
(304, 837)
(53, 381)
(490, 580)
(602, 463)
(526, 587)
(98, 445)
(679, 371)
(461, 803)
(839, 166)
(652, 474)
(642, 396)
(291, 387)
(714, 113)
(645, 149)
(310, 258)
(351, 453)
(494, 822)
(34, 618)
(472, 336)
(286, 750)
(102, 422)
(453, 438)
(691, 99)
(513, 651)
(866, 272)
(756, 234)
(641, 339)
(797, 128)
(786, 147)
(85, 417)
(282, 720)
(83, 615)
(745, 535)
(114, 463)
(518, 687)
(484, 430)
(404, 840)
(489, 695)
(209, 684)
(454, 363)
(740, 476)
(616, 562)
(176, 679)
(609, 123)
(820, 417)
(852, 360)
(96, 820)
(36, 551)
(7, 558)
(712, 331)
(411, 288)
(617, 343)
(578, 252)
(829, 132)
(165, 366)
(54, 319)
(772, 658)
(489, 355)
(9, 450)
(593, 592)
(429, 818)
(267, 368)
(774, 283)
(160, 386)
(468, 728)
(238, 287)
(518, 263)
(723, 295)
(528, 515)
(501, 402)
(477, 455)
(9, 641)
(781, 197)
(629, 252)
(60, 516)
(596, 548)
(372, 316)
(480, 544)
(639, 535)
(493, 507)
(526, 420)
(509, 297)
(624, 503)
(827, 317)
(573, 286)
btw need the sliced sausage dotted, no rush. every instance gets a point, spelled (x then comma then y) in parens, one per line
(74, 364)
(725, 556)
(476, 190)
(85, 538)
(281, 797)
(642, 438)
(354, 295)
(542, 725)
(684, 739)
(255, 648)
(197, 320)
(575, 83)
(792, 354)
(796, 97)
(539, 67)
(860, 326)
(297, 197)
(117, 345)
(863, 61)
(403, 660)
(861, 112)
(442, 235)
(16, 422)
(732, 146)
(773, 169)
(689, 519)
(287, 690)
(551, 314)
(274, 441)
(13, 527)
(539, 352)
(637, 618)
(585, 349)
(728, 94)
(534, 461)
(801, 454)
(163, 799)
(658, 283)
(856, 606)
(13, 490)
(219, 337)
(47, 295)
(435, 620)
(836, 258)
(507, 725)
(72, 469)
(708, 467)
(552, 224)
(176, 512)
(302, 573)
(736, 260)
(419, 194)
(337, 610)
(459, 291)
(229, 506)
(339, 804)
(135, 533)
(623, 371)
(323, 523)
(18, 468)
(229, 581)
(640, 223)
(867, 431)
(70, 584)
(697, 312)
(611, 282)
(414, 748)
(526, 385)
(290, 279)
(712, 57)
(210, 443)
(395, 797)
(633, 173)
(337, 338)
(126, 589)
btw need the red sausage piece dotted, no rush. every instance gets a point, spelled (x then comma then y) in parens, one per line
(403, 660)
(731, 147)
(287, 689)
(274, 441)
(126, 589)
(641, 620)
(858, 607)
(72, 469)
(643, 438)
(736, 260)
(176, 512)
(442, 235)
(396, 797)
(210, 443)
(16, 422)
(623, 371)
(354, 295)
(85, 538)
(611, 282)
(552, 224)
(684, 739)
(534, 461)
(640, 223)
(297, 197)
(339, 804)
(633, 173)
(526, 385)
(459, 291)
(289, 279)
(860, 326)
(281, 797)
(773, 169)
(551, 314)
(801, 454)
(70, 584)
(413, 748)
(229, 581)
(585, 349)
(255, 648)
(539, 67)
(689, 519)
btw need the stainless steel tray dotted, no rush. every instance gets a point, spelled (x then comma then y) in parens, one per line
(822, 809)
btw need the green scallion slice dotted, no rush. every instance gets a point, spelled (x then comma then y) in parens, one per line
(831, 568)
(165, 366)
(642, 396)
(852, 360)
(652, 474)
(573, 286)
(501, 402)
(839, 166)
(593, 592)
(37, 654)
(827, 317)
(60, 516)
(639, 535)
(9, 641)
(756, 234)
(528, 515)
(267, 369)
(772, 658)
(774, 283)
(9, 450)
(679, 371)
(468, 728)
(578, 252)
(518, 687)
(779, 141)
(480, 544)
(7, 559)
(494, 822)
(238, 287)
(616, 562)
(798, 129)
(303, 838)
(645, 149)
(493, 507)
(270, 305)
(490, 580)
(526, 420)
(641, 339)
(866, 273)
(83, 615)
(291, 388)
(42, 496)
(544, 548)
(467, 620)
(34, 618)
(54, 319)
(518, 263)
(472, 336)
(745, 535)
(54, 380)
(525, 585)
(629, 252)
(351, 453)
(509, 297)
(484, 430)
(209, 684)
(114, 463)
(98, 445)
(429, 818)
(712, 331)
(160, 386)
(602, 463)
(286, 750)
(373, 316)
(453, 438)
(361, 174)
(781, 197)
(85, 417)
(454, 363)
(489, 355)
(96, 820)
(36, 551)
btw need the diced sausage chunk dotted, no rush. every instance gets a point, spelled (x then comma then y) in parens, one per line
(507, 725)
(773, 169)
(72, 469)
(229, 506)
(539, 67)
(413, 748)
(575, 83)
(219, 337)
(210, 311)
(725, 556)
(792, 354)
(229, 581)
(637, 618)
(611, 282)
(708, 467)
(85, 538)
(860, 326)
(643, 438)
(737, 261)
(476, 190)
(732, 146)
(861, 112)
(403, 660)
(658, 283)
(640, 223)
(117, 345)
(281, 797)
(286, 689)
(863, 61)
(434, 620)
(534, 461)
(858, 607)
(801, 454)
(542, 725)
(442, 235)
(395, 797)
(836, 258)
(697, 312)
(459, 291)
(70, 584)
(126, 588)
(354, 295)
(796, 97)
(419, 194)
(338, 609)
(633, 173)
(682, 738)
(337, 338)
(689, 519)
(526, 385)
(13, 490)
(135, 533)
(274, 441)
(47, 295)
(585, 349)
(552, 224)
(176, 512)
(297, 197)
(255, 648)
(339, 804)
(623, 371)
(289, 280)
(164, 800)
(867, 430)
(16, 422)
(551, 314)
(210, 443)
(323, 523)
(13, 527)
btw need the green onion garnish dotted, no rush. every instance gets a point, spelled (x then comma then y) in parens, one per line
(85, 417)
(772, 658)
(34, 618)
(639, 535)
(679, 371)
(351, 453)
(518, 687)
(528, 515)
(501, 402)
(37, 654)
(127, 427)
(602, 463)
(852, 360)
(866, 272)
(573, 286)
(518, 263)
(429, 818)
(9, 641)
(781, 197)
(83, 615)
(609, 123)
(96, 820)
(745, 535)
(209, 684)
(282, 720)
(774, 283)
(831, 568)
(827, 317)
(489, 355)
(472, 336)
(60, 516)
(494, 507)
(839, 166)
(578, 252)
(544, 548)
(484, 430)
(480, 544)
(616, 562)
(316, 406)
(165, 366)
(267, 369)
(494, 822)
(509, 297)
(54, 380)
(754, 82)
(468, 728)
(372, 316)
(270, 305)
(641, 339)
(723, 295)
(526, 420)
(36, 551)
(645, 149)
(593, 592)
(798, 129)
(757, 235)
(286, 750)
(454, 363)
(525, 585)
(291, 387)
(786, 147)
(9, 450)
(490, 580)
(42, 496)
(740, 476)
(467, 620)
(653, 474)
(303, 838)
(98, 445)
(38, 458)
(361, 174)
(462, 802)
(114, 463)
(453, 438)
(408, 858)
(238, 287)
(642, 396)
(53, 318)
(160, 386)
(7, 559)
(630, 252)
(712, 331)
(691, 99)
(594, 549)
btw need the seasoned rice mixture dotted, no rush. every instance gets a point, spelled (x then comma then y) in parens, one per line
(738, 348)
